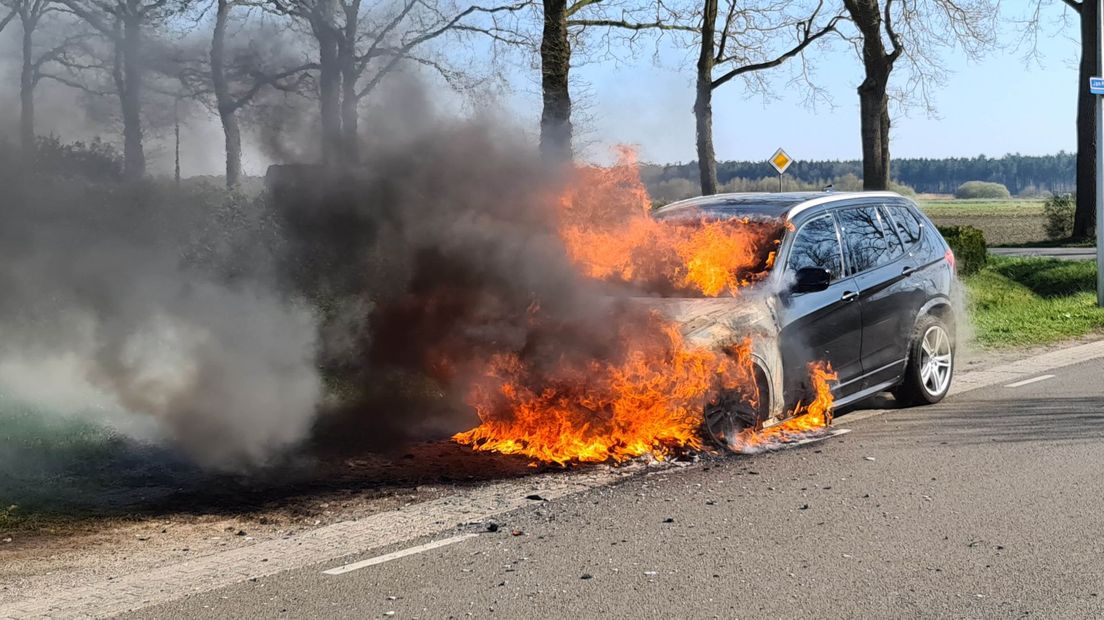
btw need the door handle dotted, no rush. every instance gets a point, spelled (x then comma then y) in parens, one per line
(908, 270)
(849, 295)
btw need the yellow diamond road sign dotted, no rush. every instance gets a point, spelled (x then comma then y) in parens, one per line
(781, 160)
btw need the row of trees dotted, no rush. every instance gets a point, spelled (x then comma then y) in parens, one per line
(230, 53)
(1055, 174)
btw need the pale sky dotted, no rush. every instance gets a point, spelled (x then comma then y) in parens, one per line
(1001, 104)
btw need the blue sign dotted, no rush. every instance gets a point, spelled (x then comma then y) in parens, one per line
(1096, 86)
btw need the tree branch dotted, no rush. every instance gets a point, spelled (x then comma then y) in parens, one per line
(806, 40)
(7, 20)
(383, 33)
(77, 85)
(404, 51)
(616, 23)
(894, 37)
(267, 80)
(578, 6)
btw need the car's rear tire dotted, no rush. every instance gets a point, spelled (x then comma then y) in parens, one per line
(930, 364)
(731, 412)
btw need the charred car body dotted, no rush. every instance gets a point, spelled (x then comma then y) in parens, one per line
(863, 281)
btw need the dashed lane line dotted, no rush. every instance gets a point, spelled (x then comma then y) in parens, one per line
(380, 559)
(1029, 381)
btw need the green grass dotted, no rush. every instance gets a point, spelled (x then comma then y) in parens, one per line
(1030, 301)
(1004, 222)
(950, 207)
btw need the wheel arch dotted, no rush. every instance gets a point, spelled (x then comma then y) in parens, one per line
(941, 308)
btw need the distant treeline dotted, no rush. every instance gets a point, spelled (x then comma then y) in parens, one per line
(1021, 174)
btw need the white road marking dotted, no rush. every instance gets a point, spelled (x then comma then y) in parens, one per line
(1027, 381)
(380, 559)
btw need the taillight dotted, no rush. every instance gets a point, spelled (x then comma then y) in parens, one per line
(951, 260)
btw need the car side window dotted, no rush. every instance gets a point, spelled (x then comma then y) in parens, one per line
(896, 248)
(816, 244)
(866, 242)
(906, 223)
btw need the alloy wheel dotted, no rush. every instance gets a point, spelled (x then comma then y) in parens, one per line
(936, 359)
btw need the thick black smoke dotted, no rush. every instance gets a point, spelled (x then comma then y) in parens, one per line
(341, 309)
(436, 253)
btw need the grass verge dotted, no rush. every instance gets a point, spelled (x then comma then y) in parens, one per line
(1031, 301)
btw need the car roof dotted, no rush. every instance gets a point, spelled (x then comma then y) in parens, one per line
(782, 204)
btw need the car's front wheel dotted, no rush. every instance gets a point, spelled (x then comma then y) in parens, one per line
(734, 411)
(930, 364)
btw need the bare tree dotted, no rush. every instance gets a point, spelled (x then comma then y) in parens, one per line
(741, 43)
(1087, 12)
(358, 46)
(124, 25)
(236, 80)
(913, 31)
(564, 21)
(31, 14)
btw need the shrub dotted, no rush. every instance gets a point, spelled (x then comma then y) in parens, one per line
(1058, 211)
(982, 189)
(901, 188)
(968, 245)
(94, 161)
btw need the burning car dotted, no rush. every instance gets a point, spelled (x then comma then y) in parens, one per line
(861, 281)
(740, 319)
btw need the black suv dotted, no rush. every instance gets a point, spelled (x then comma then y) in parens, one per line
(862, 280)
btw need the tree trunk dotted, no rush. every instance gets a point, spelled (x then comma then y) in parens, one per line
(134, 159)
(555, 137)
(873, 101)
(329, 82)
(26, 92)
(874, 121)
(703, 101)
(1085, 213)
(349, 120)
(349, 108)
(227, 108)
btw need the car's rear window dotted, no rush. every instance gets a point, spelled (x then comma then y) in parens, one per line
(907, 224)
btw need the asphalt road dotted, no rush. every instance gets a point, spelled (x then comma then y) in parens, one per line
(988, 505)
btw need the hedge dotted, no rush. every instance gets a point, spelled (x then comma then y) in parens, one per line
(982, 189)
(968, 245)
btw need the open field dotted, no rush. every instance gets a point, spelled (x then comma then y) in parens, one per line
(1004, 222)
(1028, 301)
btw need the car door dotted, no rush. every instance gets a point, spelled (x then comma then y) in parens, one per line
(819, 325)
(877, 258)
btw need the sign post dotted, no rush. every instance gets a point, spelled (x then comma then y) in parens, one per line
(780, 161)
(1096, 87)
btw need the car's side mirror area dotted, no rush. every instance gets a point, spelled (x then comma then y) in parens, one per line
(811, 280)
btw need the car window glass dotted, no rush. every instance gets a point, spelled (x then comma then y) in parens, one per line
(896, 248)
(816, 245)
(862, 231)
(907, 224)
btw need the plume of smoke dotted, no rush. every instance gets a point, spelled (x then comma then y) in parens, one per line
(152, 300)
(427, 260)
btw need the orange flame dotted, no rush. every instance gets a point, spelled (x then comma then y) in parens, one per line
(650, 402)
(649, 396)
(807, 420)
(609, 234)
